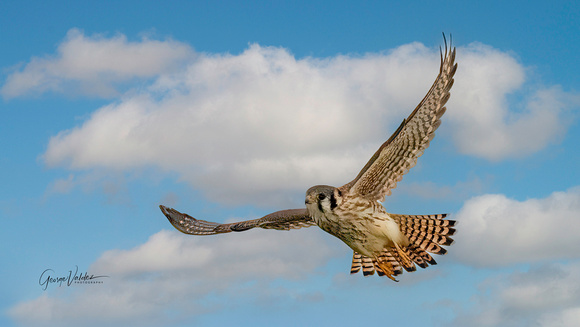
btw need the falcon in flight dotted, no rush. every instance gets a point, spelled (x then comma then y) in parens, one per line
(383, 242)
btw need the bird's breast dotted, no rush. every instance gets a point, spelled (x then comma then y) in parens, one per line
(363, 225)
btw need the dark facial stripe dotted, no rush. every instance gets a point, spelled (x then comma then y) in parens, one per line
(332, 202)
(320, 206)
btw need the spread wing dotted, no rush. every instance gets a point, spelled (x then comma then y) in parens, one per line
(281, 220)
(400, 152)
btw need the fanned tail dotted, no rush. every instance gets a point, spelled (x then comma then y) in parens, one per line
(426, 234)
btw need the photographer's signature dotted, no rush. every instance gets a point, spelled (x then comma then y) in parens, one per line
(49, 277)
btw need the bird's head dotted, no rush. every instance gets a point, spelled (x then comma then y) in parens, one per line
(320, 200)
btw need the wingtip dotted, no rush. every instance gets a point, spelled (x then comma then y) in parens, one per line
(165, 210)
(168, 213)
(173, 216)
(449, 48)
(448, 45)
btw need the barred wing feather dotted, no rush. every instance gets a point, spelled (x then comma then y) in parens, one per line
(280, 220)
(401, 151)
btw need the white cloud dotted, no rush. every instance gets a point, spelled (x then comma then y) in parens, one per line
(543, 296)
(174, 276)
(562, 318)
(460, 190)
(244, 256)
(260, 126)
(95, 65)
(488, 123)
(254, 124)
(495, 230)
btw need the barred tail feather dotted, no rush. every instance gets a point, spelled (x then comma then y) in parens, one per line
(368, 266)
(426, 233)
(356, 263)
(390, 257)
(421, 257)
(387, 264)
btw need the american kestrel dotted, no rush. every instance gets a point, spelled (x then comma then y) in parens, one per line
(383, 242)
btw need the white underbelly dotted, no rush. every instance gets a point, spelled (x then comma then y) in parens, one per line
(381, 232)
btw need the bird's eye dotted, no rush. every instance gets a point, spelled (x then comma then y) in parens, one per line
(321, 196)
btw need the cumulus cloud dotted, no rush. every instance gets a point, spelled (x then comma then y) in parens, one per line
(94, 65)
(259, 126)
(174, 276)
(496, 230)
(253, 124)
(488, 123)
(430, 190)
(547, 295)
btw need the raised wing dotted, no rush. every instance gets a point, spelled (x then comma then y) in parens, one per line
(400, 152)
(281, 220)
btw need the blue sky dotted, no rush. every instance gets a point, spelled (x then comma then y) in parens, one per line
(230, 111)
